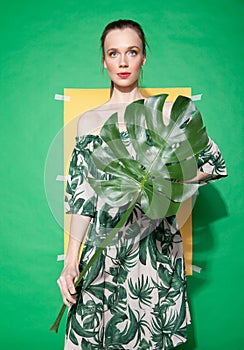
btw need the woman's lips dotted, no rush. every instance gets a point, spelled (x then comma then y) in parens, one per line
(123, 75)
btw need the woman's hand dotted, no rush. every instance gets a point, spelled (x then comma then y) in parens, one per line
(66, 283)
(70, 273)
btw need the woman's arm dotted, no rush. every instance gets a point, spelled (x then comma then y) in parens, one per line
(70, 273)
(201, 176)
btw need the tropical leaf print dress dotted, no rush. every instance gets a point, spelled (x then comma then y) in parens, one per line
(134, 296)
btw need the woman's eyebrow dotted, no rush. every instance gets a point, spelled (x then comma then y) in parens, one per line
(112, 49)
(133, 47)
(128, 48)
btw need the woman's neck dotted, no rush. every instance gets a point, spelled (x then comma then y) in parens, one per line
(125, 95)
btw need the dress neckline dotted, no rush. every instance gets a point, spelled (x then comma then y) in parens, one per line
(107, 106)
(82, 137)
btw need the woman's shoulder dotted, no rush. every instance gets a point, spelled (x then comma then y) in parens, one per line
(90, 122)
(167, 111)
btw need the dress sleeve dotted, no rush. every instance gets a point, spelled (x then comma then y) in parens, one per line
(211, 162)
(80, 198)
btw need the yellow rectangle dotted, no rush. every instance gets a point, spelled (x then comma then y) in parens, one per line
(82, 100)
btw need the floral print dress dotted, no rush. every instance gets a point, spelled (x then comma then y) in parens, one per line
(134, 296)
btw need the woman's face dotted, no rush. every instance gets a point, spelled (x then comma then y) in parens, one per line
(123, 57)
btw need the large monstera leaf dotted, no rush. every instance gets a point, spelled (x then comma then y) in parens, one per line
(158, 174)
(165, 156)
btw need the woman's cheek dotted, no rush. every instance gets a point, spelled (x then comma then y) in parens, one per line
(137, 68)
(111, 67)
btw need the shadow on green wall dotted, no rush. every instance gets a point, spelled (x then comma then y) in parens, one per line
(209, 208)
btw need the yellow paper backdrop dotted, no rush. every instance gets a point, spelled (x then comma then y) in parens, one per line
(81, 100)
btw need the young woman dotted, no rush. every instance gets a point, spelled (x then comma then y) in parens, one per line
(134, 296)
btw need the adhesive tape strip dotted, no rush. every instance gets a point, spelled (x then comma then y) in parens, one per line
(60, 257)
(196, 97)
(195, 268)
(61, 97)
(61, 178)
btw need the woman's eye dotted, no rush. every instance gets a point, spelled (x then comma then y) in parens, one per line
(132, 52)
(112, 54)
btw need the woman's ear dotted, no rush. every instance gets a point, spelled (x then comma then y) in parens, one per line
(104, 63)
(144, 60)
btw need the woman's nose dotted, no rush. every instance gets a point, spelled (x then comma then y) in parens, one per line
(123, 61)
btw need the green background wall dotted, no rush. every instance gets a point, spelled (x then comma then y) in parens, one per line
(49, 45)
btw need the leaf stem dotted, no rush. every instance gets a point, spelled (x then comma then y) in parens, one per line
(56, 323)
(151, 166)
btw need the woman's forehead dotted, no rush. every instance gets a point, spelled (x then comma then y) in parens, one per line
(122, 38)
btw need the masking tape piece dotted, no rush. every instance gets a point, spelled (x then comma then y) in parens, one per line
(195, 268)
(196, 97)
(60, 257)
(61, 97)
(61, 178)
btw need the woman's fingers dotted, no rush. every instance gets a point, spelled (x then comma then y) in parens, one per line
(67, 288)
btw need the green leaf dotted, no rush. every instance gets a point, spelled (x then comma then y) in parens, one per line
(95, 269)
(72, 337)
(117, 300)
(129, 333)
(165, 156)
(141, 290)
(112, 333)
(80, 330)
